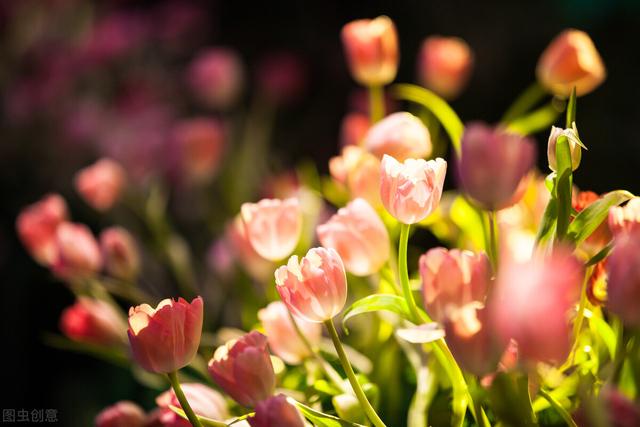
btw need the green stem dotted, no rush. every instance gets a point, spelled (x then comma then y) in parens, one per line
(376, 103)
(193, 418)
(524, 102)
(346, 365)
(493, 240)
(577, 325)
(558, 407)
(404, 273)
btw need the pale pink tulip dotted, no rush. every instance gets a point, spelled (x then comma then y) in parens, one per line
(205, 402)
(359, 171)
(444, 65)
(236, 235)
(37, 224)
(121, 414)
(400, 135)
(625, 219)
(574, 147)
(77, 252)
(623, 287)
(93, 321)
(276, 412)
(120, 253)
(101, 184)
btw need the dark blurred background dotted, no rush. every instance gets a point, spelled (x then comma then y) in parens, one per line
(506, 36)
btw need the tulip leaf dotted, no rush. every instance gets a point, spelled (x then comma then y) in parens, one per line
(509, 396)
(535, 121)
(377, 302)
(605, 332)
(602, 254)
(548, 222)
(437, 106)
(321, 419)
(590, 218)
(564, 182)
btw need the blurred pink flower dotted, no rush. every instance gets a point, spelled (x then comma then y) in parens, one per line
(121, 414)
(216, 77)
(197, 148)
(205, 402)
(623, 287)
(400, 135)
(236, 235)
(36, 225)
(353, 129)
(93, 321)
(444, 65)
(77, 254)
(282, 77)
(101, 184)
(120, 253)
(114, 36)
(625, 219)
(359, 171)
(276, 412)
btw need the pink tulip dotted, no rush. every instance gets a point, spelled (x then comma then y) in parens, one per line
(166, 338)
(93, 321)
(276, 412)
(411, 190)
(77, 252)
(625, 219)
(236, 236)
(122, 414)
(282, 336)
(623, 287)
(216, 77)
(371, 48)
(493, 164)
(243, 369)
(101, 184)
(120, 252)
(452, 279)
(314, 288)
(531, 304)
(205, 402)
(444, 65)
(571, 60)
(353, 129)
(37, 226)
(359, 236)
(273, 226)
(359, 171)
(400, 135)
(197, 146)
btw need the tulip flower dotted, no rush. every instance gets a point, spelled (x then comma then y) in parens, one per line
(353, 129)
(400, 135)
(574, 147)
(410, 191)
(571, 60)
(197, 146)
(205, 402)
(314, 288)
(492, 165)
(236, 236)
(93, 321)
(452, 279)
(273, 226)
(444, 65)
(122, 414)
(37, 224)
(216, 77)
(166, 338)
(371, 48)
(276, 412)
(243, 369)
(359, 171)
(359, 236)
(282, 335)
(623, 269)
(77, 252)
(101, 184)
(120, 253)
(531, 304)
(625, 219)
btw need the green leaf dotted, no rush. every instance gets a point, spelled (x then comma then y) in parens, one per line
(587, 221)
(438, 107)
(604, 252)
(571, 109)
(320, 419)
(605, 332)
(547, 225)
(377, 302)
(564, 183)
(509, 396)
(535, 121)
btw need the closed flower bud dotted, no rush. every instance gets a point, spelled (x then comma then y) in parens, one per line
(571, 60)
(282, 336)
(445, 65)
(574, 147)
(276, 412)
(273, 226)
(359, 171)
(93, 321)
(314, 288)
(625, 219)
(197, 147)
(166, 338)
(400, 135)
(371, 48)
(37, 226)
(353, 129)
(359, 236)
(205, 402)
(243, 369)
(623, 287)
(122, 414)
(492, 165)
(452, 279)
(77, 252)
(101, 184)
(410, 191)
(216, 77)
(121, 257)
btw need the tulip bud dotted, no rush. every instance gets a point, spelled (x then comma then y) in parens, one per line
(574, 147)
(282, 336)
(122, 414)
(411, 191)
(37, 226)
(623, 268)
(354, 128)
(359, 171)
(314, 288)
(276, 411)
(197, 146)
(371, 48)
(205, 402)
(359, 236)
(77, 252)
(166, 338)
(492, 165)
(452, 279)
(101, 184)
(625, 219)
(571, 60)
(93, 321)
(243, 369)
(236, 235)
(445, 65)
(273, 226)
(216, 77)
(400, 135)
(121, 257)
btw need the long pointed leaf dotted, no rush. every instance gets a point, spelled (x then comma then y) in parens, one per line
(377, 302)
(587, 221)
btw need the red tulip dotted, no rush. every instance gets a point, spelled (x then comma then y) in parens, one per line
(93, 321)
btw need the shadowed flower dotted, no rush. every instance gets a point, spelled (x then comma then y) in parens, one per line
(276, 412)
(93, 321)
(623, 269)
(77, 252)
(101, 184)
(205, 402)
(121, 414)
(120, 253)
(37, 224)
(198, 144)
(216, 77)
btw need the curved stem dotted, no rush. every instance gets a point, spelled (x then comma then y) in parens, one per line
(558, 407)
(193, 418)
(346, 365)
(376, 103)
(404, 273)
